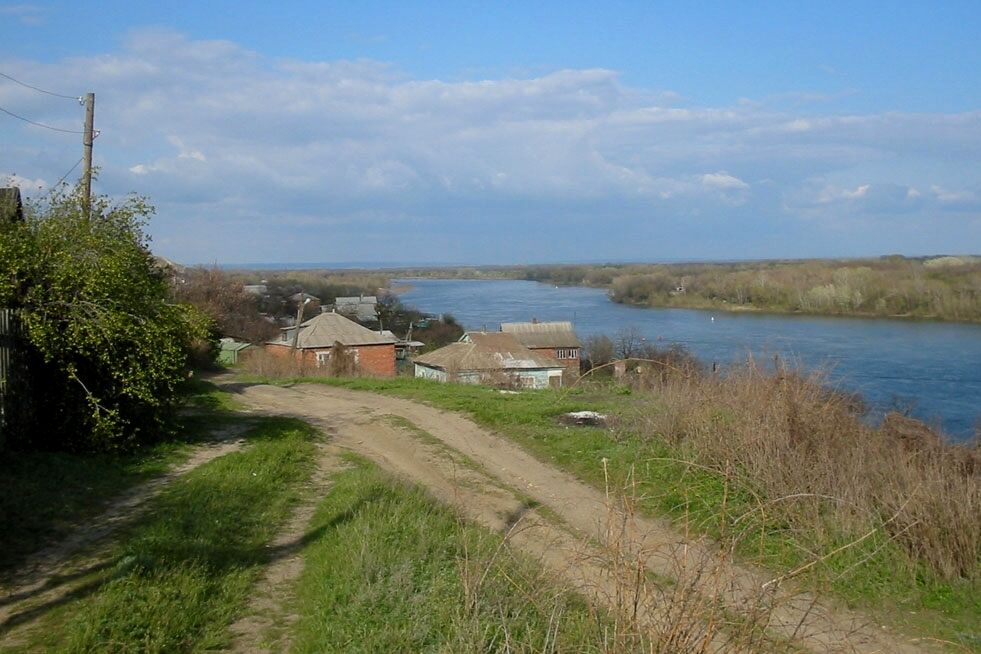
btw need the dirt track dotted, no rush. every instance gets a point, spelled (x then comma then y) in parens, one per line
(559, 520)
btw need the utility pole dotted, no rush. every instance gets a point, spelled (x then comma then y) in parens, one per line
(87, 137)
(299, 319)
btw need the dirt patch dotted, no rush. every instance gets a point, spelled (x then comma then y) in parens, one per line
(568, 525)
(266, 625)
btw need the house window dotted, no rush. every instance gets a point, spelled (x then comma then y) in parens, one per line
(323, 358)
(566, 353)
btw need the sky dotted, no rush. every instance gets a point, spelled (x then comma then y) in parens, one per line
(502, 133)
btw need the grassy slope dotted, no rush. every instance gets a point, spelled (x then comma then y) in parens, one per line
(46, 493)
(865, 576)
(179, 577)
(392, 570)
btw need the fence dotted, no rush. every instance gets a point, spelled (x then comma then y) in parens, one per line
(9, 337)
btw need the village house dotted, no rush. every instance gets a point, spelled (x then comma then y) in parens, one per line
(556, 340)
(373, 353)
(490, 358)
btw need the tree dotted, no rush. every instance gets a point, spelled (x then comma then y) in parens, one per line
(224, 300)
(107, 350)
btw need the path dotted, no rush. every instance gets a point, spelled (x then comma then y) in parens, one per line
(569, 525)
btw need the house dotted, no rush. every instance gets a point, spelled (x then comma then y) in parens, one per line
(256, 289)
(490, 358)
(556, 340)
(373, 353)
(361, 307)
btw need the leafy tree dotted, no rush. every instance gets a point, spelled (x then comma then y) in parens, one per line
(106, 351)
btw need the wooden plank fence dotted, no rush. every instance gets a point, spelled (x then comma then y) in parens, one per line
(9, 336)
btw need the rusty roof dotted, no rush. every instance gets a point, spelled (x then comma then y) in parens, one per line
(487, 351)
(543, 334)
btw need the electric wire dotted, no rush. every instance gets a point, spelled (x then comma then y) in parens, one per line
(37, 124)
(40, 90)
(63, 177)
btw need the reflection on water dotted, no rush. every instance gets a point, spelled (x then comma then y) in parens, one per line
(935, 368)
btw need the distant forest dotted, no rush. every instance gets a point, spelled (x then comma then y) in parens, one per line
(941, 288)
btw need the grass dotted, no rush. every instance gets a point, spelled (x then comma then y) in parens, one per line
(179, 577)
(673, 477)
(48, 493)
(391, 570)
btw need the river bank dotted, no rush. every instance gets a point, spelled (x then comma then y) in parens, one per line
(924, 368)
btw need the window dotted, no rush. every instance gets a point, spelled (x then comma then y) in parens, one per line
(323, 358)
(567, 353)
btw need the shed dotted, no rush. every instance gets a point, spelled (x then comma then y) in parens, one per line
(232, 350)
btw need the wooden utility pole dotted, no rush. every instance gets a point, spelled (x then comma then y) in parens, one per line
(87, 137)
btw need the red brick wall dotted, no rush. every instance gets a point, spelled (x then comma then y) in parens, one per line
(571, 365)
(378, 360)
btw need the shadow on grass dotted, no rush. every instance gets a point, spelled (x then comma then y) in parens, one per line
(46, 495)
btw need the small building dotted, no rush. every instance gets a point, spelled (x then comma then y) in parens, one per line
(360, 307)
(556, 340)
(490, 358)
(11, 206)
(231, 351)
(403, 347)
(373, 353)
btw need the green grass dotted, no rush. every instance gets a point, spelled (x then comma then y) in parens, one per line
(45, 494)
(875, 575)
(180, 576)
(388, 569)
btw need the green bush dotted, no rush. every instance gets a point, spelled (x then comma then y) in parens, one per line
(105, 351)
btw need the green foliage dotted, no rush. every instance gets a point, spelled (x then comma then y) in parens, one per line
(107, 351)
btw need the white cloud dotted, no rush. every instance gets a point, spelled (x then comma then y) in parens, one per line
(218, 135)
(24, 183)
(723, 181)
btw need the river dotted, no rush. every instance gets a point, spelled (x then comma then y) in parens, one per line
(931, 368)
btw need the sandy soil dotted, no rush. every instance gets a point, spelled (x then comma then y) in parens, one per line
(575, 530)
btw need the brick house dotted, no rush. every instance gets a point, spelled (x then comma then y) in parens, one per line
(557, 340)
(374, 353)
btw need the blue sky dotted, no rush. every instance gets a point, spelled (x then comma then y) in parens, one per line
(505, 133)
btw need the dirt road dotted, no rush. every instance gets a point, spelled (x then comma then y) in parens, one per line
(573, 528)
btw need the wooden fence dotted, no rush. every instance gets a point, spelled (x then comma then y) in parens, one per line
(9, 337)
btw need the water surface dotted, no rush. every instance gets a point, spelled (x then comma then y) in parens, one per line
(932, 367)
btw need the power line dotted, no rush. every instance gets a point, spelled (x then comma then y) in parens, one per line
(37, 124)
(63, 177)
(40, 90)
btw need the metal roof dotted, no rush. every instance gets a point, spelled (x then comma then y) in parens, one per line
(487, 351)
(543, 334)
(328, 328)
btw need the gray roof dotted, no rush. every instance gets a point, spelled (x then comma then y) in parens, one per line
(357, 299)
(326, 329)
(543, 334)
(487, 351)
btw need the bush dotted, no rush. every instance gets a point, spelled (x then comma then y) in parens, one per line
(106, 351)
